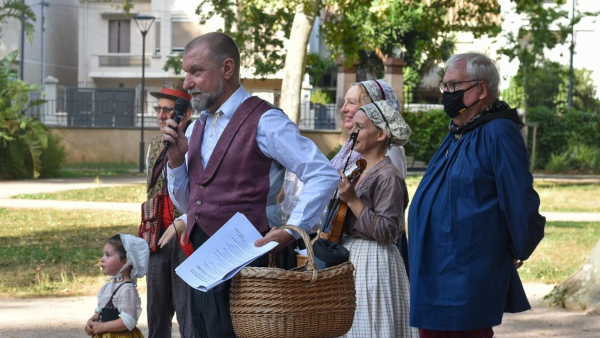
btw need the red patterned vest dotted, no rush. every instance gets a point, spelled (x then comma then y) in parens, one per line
(236, 178)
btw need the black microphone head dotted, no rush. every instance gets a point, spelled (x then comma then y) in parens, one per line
(181, 107)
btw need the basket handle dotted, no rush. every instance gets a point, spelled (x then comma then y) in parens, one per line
(311, 266)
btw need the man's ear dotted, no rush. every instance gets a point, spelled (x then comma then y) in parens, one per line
(485, 91)
(228, 68)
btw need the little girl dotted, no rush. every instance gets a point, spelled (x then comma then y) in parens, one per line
(119, 306)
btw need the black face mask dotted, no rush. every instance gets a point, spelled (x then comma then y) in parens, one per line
(453, 102)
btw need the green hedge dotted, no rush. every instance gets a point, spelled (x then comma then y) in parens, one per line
(556, 133)
(428, 131)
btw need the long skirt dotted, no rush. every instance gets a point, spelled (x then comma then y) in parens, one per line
(135, 333)
(382, 291)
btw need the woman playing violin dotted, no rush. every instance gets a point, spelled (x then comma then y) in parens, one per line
(377, 201)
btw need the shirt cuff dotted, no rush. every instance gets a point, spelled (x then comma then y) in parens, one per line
(176, 174)
(182, 218)
(293, 233)
(129, 321)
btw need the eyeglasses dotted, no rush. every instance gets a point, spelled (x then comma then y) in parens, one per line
(167, 110)
(451, 86)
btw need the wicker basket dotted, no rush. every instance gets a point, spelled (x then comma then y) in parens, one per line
(276, 303)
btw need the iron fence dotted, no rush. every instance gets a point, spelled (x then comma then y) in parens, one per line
(122, 113)
(96, 113)
(318, 116)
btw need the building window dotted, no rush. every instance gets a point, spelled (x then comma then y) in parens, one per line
(119, 36)
(157, 37)
(183, 32)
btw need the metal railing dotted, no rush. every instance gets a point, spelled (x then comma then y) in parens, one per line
(318, 116)
(115, 113)
(99, 114)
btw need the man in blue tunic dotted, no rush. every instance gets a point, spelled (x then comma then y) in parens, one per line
(475, 215)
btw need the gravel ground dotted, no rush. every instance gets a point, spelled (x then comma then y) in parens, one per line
(66, 317)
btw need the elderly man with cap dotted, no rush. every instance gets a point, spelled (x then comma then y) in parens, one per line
(377, 200)
(167, 293)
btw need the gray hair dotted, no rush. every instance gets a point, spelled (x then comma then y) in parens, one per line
(481, 67)
(220, 45)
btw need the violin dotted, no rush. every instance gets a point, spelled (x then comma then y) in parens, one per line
(336, 215)
(333, 225)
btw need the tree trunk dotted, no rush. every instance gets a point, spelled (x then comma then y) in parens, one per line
(295, 60)
(582, 290)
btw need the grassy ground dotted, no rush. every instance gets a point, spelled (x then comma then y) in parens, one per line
(56, 252)
(564, 248)
(565, 196)
(568, 196)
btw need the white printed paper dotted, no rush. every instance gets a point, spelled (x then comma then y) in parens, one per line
(225, 253)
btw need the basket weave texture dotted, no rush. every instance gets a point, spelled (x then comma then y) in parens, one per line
(276, 303)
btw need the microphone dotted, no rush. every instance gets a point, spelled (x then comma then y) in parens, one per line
(181, 107)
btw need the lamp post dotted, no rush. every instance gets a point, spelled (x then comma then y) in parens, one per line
(144, 22)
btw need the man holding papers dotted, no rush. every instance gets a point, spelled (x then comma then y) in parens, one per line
(233, 159)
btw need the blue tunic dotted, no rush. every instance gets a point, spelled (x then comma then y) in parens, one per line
(474, 211)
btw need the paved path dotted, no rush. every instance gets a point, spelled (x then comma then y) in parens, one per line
(12, 188)
(65, 318)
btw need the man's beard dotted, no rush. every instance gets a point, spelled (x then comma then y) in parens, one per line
(206, 100)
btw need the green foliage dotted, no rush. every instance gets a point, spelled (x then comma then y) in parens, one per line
(412, 79)
(548, 86)
(316, 66)
(334, 152)
(320, 96)
(543, 30)
(580, 158)
(53, 157)
(558, 162)
(557, 296)
(22, 139)
(552, 137)
(557, 132)
(414, 30)
(174, 62)
(417, 31)
(17, 9)
(257, 23)
(429, 129)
